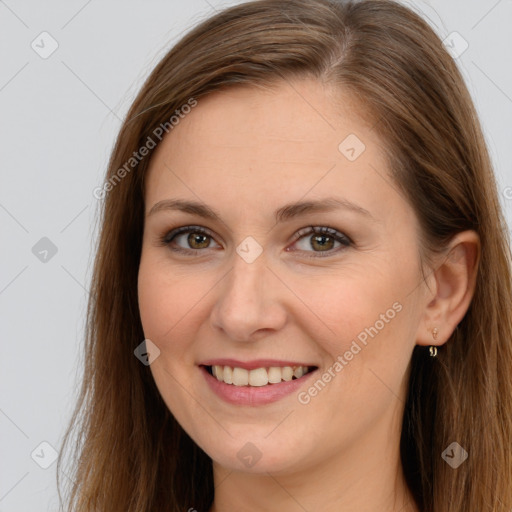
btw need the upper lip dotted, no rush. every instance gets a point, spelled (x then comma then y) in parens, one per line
(251, 365)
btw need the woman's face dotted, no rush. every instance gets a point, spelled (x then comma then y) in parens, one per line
(259, 286)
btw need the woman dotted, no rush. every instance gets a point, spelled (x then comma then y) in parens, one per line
(302, 290)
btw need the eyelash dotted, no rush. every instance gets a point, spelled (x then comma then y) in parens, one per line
(346, 242)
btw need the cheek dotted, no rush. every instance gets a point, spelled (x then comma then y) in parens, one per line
(342, 305)
(166, 305)
(170, 302)
(363, 319)
(362, 326)
(163, 299)
(154, 301)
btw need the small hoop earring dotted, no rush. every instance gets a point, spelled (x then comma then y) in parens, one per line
(433, 349)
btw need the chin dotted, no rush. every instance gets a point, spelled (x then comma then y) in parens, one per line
(257, 456)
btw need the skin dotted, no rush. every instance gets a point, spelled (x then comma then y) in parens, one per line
(246, 152)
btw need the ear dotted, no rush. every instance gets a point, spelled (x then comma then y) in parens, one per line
(451, 285)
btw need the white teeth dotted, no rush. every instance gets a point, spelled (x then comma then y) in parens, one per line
(287, 373)
(218, 371)
(240, 377)
(259, 376)
(274, 375)
(228, 375)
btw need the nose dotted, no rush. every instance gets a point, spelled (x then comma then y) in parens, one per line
(249, 303)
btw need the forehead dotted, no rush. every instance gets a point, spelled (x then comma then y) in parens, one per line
(297, 138)
(285, 116)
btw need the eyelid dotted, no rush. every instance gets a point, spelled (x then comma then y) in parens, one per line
(324, 230)
(345, 241)
(173, 233)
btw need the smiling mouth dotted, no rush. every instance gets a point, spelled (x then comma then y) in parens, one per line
(259, 376)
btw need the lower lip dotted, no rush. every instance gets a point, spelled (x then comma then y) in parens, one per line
(253, 395)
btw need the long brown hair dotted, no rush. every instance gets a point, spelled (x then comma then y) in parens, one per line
(130, 454)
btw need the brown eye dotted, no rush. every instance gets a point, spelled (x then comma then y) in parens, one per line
(188, 239)
(322, 242)
(316, 239)
(198, 241)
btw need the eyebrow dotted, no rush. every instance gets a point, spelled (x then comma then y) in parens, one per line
(285, 213)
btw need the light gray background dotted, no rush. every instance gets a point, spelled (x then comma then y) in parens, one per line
(59, 117)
